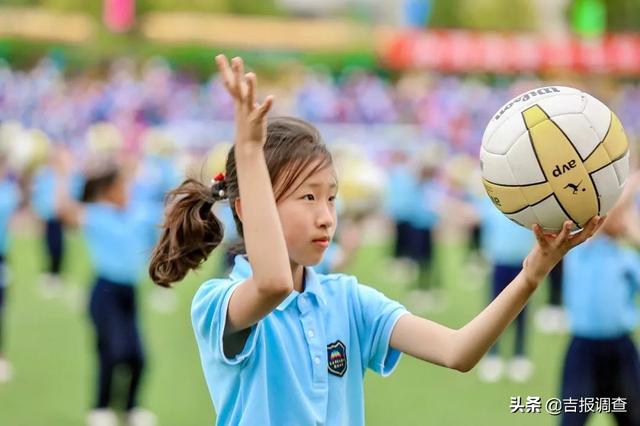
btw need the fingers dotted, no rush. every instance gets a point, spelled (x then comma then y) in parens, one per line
(225, 73)
(542, 241)
(237, 66)
(564, 234)
(592, 226)
(251, 90)
(263, 109)
(232, 76)
(242, 86)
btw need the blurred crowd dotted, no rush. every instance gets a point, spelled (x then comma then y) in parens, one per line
(405, 146)
(452, 110)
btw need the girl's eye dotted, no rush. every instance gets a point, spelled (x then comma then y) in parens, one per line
(309, 197)
(332, 198)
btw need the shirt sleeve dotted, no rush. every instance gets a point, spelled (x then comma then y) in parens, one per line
(377, 317)
(9, 201)
(209, 316)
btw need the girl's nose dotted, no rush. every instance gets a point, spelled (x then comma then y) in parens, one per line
(325, 217)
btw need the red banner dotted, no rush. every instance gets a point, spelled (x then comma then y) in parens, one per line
(119, 15)
(464, 51)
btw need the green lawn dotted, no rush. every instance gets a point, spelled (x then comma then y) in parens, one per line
(51, 347)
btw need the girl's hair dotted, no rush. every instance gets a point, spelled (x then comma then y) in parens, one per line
(191, 231)
(100, 181)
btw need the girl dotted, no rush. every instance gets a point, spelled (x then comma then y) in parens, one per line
(9, 201)
(505, 245)
(279, 344)
(601, 285)
(42, 200)
(115, 232)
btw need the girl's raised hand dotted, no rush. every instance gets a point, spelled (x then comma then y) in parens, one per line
(251, 123)
(550, 248)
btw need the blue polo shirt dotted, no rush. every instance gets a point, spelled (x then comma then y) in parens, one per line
(502, 241)
(426, 200)
(43, 191)
(601, 279)
(400, 196)
(304, 363)
(119, 240)
(9, 201)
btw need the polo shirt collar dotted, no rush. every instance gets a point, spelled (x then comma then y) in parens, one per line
(242, 270)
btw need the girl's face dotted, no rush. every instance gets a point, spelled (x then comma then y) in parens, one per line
(308, 216)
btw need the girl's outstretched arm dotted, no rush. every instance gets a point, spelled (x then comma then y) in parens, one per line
(462, 349)
(264, 239)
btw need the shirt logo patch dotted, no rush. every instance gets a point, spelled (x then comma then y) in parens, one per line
(337, 358)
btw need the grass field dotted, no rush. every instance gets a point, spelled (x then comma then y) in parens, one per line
(50, 345)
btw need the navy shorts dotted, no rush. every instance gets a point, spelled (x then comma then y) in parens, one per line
(114, 315)
(602, 368)
(402, 247)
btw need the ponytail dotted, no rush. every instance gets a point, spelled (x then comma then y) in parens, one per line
(189, 233)
(191, 230)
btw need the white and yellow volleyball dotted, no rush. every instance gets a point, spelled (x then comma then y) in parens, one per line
(554, 154)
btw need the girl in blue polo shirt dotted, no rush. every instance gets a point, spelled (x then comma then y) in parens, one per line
(44, 206)
(9, 201)
(601, 285)
(115, 232)
(505, 245)
(280, 344)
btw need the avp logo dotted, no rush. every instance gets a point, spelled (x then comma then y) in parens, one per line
(558, 171)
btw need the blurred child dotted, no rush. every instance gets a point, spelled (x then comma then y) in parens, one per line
(505, 246)
(115, 231)
(399, 196)
(280, 344)
(601, 283)
(552, 318)
(156, 174)
(427, 199)
(9, 201)
(43, 202)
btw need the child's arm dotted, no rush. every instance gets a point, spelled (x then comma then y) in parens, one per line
(272, 281)
(628, 205)
(68, 210)
(462, 349)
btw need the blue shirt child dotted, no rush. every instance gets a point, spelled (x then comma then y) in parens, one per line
(601, 280)
(119, 239)
(304, 363)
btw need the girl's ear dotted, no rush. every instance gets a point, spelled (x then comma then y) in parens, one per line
(238, 206)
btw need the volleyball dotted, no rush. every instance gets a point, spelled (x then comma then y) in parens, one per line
(554, 154)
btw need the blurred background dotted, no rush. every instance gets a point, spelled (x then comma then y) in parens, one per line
(401, 91)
